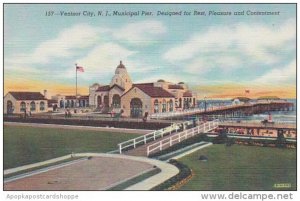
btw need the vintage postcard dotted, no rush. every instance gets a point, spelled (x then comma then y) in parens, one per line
(140, 97)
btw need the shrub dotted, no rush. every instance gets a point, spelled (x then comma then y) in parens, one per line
(183, 176)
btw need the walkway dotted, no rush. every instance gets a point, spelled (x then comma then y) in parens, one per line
(167, 170)
(109, 129)
(142, 150)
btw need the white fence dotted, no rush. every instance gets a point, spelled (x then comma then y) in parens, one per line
(152, 136)
(168, 142)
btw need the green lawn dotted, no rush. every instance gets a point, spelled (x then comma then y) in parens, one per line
(241, 168)
(26, 145)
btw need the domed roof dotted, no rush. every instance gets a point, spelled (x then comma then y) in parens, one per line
(181, 83)
(160, 80)
(121, 65)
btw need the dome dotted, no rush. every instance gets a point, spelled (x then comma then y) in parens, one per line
(95, 85)
(160, 80)
(181, 83)
(121, 65)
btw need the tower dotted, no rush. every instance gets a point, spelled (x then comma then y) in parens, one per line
(121, 77)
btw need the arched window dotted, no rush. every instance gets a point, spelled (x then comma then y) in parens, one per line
(61, 104)
(10, 108)
(42, 106)
(32, 106)
(136, 107)
(68, 103)
(156, 106)
(22, 106)
(171, 105)
(116, 101)
(164, 106)
(180, 102)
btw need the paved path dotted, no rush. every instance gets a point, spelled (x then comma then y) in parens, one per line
(110, 129)
(96, 173)
(167, 171)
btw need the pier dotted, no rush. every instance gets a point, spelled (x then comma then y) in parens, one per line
(229, 111)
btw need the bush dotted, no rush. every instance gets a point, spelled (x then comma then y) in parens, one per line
(184, 173)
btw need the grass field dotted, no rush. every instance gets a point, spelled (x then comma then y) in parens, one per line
(241, 168)
(26, 145)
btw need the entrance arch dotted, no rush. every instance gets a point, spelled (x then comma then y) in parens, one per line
(136, 108)
(99, 101)
(106, 101)
(10, 109)
(116, 101)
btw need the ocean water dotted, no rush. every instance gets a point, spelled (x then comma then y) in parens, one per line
(277, 116)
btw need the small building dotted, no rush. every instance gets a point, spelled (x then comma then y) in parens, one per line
(69, 101)
(19, 102)
(240, 100)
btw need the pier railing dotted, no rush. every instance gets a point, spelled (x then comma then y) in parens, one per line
(174, 139)
(190, 111)
(212, 108)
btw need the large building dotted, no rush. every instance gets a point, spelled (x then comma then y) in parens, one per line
(21, 102)
(137, 99)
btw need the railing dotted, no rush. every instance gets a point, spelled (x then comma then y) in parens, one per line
(194, 111)
(153, 136)
(168, 142)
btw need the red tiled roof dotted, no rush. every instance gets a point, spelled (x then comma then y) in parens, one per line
(154, 92)
(175, 86)
(143, 84)
(115, 85)
(187, 94)
(74, 97)
(27, 95)
(107, 87)
(104, 88)
(70, 97)
(83, 97)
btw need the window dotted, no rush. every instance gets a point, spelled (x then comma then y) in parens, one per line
(171, 105)
(22, 106)
(156, 108)
(32, 106)
(61, 104)
(164, 106)
(42, 106)
(116, 101)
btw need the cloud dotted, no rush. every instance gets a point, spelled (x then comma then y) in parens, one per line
(143, 32)
(255, 42)
(202, 65)
(64, 45)
(100, 62)
(101, 57)
(287, 74)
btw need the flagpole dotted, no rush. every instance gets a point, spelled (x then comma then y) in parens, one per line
(76, 87)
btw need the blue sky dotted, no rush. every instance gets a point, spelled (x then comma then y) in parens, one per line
(204, 51)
